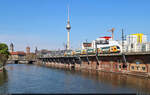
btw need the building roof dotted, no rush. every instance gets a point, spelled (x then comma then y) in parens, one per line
(106, 37)
(18, 53)
(30, 53)
(137, 34)
(27, 47)
(44, 51)
(11, 44)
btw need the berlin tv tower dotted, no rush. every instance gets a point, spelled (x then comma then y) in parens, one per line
(68, 27)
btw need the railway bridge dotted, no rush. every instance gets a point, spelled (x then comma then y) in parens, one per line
(128, 63)
(22, 60)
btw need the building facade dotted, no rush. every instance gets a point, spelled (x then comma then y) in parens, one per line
(137, 43)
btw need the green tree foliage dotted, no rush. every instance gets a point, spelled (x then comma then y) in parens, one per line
(4, 49)
(4, 53)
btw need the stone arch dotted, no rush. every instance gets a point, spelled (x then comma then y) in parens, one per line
(138, 65)
(138, 61)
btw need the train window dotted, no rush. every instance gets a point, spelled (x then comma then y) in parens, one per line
(132, 67)
(143, 68)
(106, 41)
(100, 41)
(118, 47)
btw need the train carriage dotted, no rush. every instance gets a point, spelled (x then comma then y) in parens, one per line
(102, 50)
(91, 51)
(69, 53)
(77, 52)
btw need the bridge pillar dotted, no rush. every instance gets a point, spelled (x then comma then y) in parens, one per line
(85, 64)
(50, 61)
(71, 64)
(77, 66)
(16, 62)
(53, 62)
(47, 62)
(64, 62)
(78, 63)
(57, 63)
(60, 63)
(43, 62)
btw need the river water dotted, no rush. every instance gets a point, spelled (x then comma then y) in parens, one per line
(22, 78)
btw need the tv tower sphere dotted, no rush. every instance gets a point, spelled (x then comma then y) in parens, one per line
(68, 27)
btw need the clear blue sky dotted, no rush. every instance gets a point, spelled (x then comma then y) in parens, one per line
(42, 23)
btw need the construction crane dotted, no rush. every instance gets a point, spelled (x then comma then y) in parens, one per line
(112, 30)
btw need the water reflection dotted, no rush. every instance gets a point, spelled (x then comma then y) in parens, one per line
(3, 81)
(3, 76)
(140, 84)
(132, 82)
(23, 78)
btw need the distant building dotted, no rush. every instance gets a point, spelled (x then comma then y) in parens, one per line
(44, 51)
(137, 38)
(137, 42)
(148, 46)
(86, 45)
(28, 50)
(36, 50)
(11, 47)
(17, 55)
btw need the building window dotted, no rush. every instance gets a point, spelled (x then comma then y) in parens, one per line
(131, 45)
(137, 67)
(132, 67)
(143, 68)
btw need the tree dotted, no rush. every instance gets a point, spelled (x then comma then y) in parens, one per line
(4, 54)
